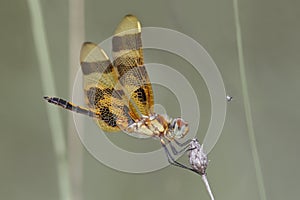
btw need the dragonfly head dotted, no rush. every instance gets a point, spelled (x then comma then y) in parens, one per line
(178, 128)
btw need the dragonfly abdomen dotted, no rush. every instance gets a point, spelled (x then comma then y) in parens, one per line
(70, 106)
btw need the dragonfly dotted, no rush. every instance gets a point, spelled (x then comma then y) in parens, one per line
(118, 94)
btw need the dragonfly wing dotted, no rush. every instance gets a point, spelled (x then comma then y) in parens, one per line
(129, 61)
(100, 79)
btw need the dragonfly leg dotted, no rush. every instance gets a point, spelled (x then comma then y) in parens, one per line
(172, 161)
(176, 152)
(183, 144)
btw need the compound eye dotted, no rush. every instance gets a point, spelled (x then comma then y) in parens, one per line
(180, 123)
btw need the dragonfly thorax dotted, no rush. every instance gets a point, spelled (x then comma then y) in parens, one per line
(160, 126)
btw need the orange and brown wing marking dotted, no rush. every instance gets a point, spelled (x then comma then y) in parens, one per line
(129, 61)
(100, 78)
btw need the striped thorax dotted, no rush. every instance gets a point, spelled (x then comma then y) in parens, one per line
(160, 126)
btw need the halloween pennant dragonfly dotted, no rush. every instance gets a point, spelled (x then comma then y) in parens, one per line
(119, 94)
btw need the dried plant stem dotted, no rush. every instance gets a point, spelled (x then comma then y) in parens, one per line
(247, 106)
(75, 149)
(204, 179)
(48, 85)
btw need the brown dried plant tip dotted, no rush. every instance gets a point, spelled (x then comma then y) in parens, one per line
(198, 161)
(197, 158)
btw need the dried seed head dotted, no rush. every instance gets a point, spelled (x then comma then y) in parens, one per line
(197, 158)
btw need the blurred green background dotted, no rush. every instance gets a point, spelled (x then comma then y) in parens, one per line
(270, 34)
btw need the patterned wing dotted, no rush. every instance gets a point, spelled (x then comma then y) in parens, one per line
(129, 61)
(100, 78)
